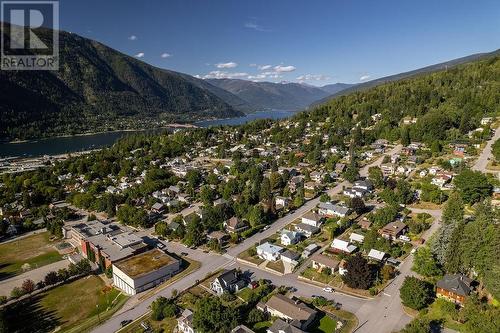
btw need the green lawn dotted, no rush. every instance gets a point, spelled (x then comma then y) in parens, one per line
(36, 250)
(72, 307)
(312, 274)
(262, 326)
(443, 310)
(325, 324)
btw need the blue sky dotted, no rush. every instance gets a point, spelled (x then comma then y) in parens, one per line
(315, 41)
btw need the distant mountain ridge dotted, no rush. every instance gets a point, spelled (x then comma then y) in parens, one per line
(282, 96)
(98, 88)
(405, 75)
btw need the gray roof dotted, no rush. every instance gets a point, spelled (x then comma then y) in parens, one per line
(457, 283)
(291, 255)
(280, 326)
(306, 227)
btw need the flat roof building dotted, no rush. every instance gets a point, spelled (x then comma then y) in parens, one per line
(143, 271)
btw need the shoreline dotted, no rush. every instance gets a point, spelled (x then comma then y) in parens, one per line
(173, 125)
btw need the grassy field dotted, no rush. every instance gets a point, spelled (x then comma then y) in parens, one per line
(36, 250)
(74, 307)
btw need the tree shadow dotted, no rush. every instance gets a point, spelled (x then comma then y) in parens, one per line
(5, 275)
(30, 316)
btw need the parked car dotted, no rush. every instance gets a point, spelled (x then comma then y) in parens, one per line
(125, 322)
(160, 245)
(328, 289)
(253, 284)
(185, 254)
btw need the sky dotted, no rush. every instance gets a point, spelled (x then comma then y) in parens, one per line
(316, 42)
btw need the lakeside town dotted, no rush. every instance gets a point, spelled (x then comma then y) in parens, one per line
(280, 226)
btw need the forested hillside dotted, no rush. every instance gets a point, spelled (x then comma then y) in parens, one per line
(98, 88)
(447, 105)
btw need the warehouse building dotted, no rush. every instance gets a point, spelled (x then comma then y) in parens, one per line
(143, 271)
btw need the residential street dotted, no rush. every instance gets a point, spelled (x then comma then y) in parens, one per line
(482, 160)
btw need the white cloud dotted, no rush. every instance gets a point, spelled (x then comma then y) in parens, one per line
(364, 77)
(165, 55)
(224, 75)
(265, 67)
(254, 26)
(132, 37)
(226, 65)
(312, 77)
(140, 55)
(281, 68)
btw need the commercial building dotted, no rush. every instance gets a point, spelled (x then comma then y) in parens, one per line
(144, 271)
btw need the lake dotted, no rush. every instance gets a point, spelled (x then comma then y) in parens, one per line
(61, 145)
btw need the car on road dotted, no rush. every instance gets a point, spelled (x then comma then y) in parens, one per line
(266, 227)
(125, 322)
(185, 254)
(160, 245)
(328, 289)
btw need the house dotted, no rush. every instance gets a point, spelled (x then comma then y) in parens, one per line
(235, 225)
(388, 169)
(354, 237)
(311, 186)
(282, 202)
(364, 223)
(295, 183)
(158, 208)
(320, 262)
(313, 219)
(316, 176)
(364, 184)
(376, 255)
(219, 236)
(229, 281)
(330, 210)
(306, 229)
(339, 245)
(185, 322)
(310, 249)
(241, 329)
(393, 230)
(280, 326)
(486, 120)
(220, 202)
(289, 237)
(455, 288)
(342, 267)
(290, 257)
(268, 251)
(340, 168)
(293, 311)
(355, 192)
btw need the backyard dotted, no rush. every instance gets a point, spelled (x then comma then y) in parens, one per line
(32, 252)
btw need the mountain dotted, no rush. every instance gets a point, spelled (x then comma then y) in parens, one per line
(268, 95)
(336, 87)
(98, 88)
(405, 75)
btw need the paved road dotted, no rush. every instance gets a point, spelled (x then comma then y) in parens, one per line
(211, 263)
(37, 274)
(482, 160)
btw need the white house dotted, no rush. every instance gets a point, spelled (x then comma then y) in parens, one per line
(312, 219)
(289, 237)
(339, 245)
(268, 251)
(185, 322)
(329, 209)
(354, 237)
(376, 255)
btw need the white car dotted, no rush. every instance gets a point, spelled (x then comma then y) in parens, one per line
(328, 289)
